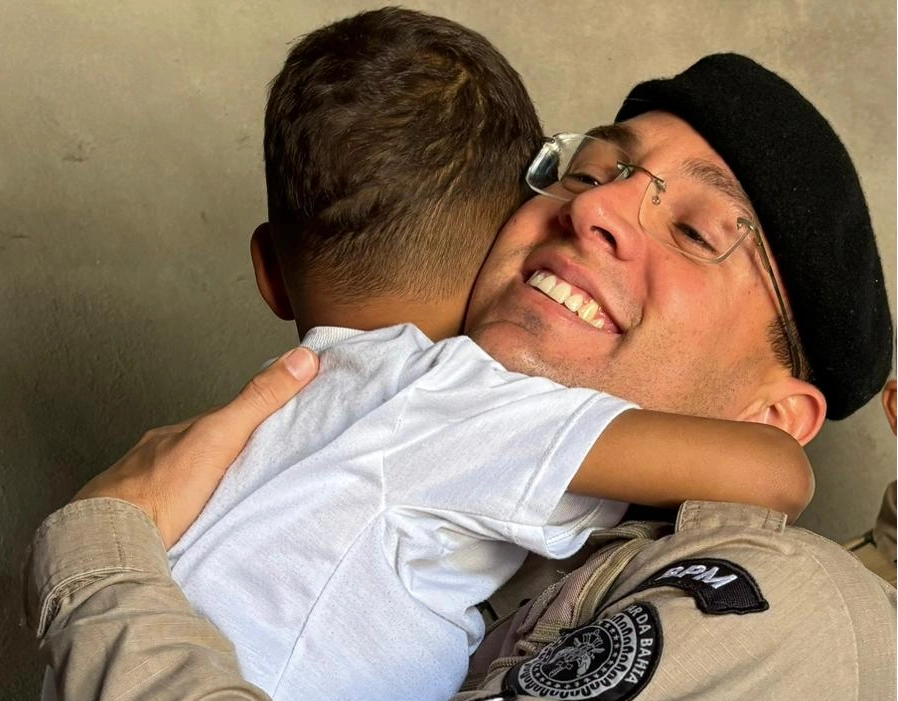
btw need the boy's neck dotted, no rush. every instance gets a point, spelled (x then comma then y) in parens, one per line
(437, 319)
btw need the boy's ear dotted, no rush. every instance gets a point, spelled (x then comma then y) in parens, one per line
(269, 278)
(889, 396)
(790, 404)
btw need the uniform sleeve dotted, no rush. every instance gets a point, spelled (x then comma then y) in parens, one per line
(727, 613)
(111, 622)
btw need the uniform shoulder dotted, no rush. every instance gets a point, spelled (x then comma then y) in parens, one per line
(761, 537)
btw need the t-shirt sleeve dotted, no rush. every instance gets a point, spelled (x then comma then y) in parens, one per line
(498, 449)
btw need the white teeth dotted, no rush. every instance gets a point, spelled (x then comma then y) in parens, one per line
(536, 278)
(574, 302)
(563, 293)
(560, 292)
(547, 283)
(588, 311)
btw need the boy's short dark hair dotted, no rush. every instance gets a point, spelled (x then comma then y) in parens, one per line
(395, 147)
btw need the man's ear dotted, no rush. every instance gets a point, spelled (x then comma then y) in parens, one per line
(269, 278)
(795, 406)
(889, 395)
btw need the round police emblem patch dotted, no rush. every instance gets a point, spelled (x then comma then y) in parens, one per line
(609, 659)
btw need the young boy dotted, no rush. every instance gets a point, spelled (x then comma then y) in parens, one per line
(345, 552)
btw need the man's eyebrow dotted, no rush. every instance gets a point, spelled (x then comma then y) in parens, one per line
(716, 177)
(698, 169)
(621, 134)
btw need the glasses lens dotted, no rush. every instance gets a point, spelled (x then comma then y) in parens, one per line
(573, 163)
(684, 213)
(697, 219)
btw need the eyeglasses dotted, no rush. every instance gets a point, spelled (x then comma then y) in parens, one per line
(686, 212)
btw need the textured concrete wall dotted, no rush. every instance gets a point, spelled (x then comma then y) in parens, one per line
(130, 180)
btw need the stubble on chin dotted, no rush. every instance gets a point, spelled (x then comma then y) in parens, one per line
(514, 344)
(530, 359)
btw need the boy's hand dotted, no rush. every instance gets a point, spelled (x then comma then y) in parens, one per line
(173, 470)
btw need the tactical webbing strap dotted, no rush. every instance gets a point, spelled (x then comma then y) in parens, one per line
(574, 600)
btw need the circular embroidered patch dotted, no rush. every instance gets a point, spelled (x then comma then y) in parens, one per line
(609, 659)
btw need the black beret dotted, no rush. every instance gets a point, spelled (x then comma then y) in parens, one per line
(805, 190)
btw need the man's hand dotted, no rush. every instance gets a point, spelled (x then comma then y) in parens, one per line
(173, 470)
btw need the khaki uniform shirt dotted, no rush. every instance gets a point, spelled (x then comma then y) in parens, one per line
(731, 605)
(111, 621)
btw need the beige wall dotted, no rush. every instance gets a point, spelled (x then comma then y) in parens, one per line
(130, 180)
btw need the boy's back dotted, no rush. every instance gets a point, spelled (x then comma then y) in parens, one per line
(395, 149)
(380, 506)
(346, 551)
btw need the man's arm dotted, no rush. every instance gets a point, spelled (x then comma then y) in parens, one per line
(661, 459)
(110, 620)
(112, 623)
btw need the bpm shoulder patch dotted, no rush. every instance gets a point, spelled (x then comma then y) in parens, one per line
(608, 659)
(718, 586)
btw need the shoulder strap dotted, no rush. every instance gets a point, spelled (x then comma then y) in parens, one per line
(574, 600)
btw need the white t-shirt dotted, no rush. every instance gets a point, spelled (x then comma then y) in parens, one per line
(345, 551)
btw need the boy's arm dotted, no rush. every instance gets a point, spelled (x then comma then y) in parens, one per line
(659, 459)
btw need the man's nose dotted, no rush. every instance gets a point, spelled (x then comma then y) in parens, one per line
(608, 217)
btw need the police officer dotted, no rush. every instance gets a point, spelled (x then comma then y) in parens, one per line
(731, 603)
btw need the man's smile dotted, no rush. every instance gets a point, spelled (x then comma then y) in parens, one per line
(574, 299)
